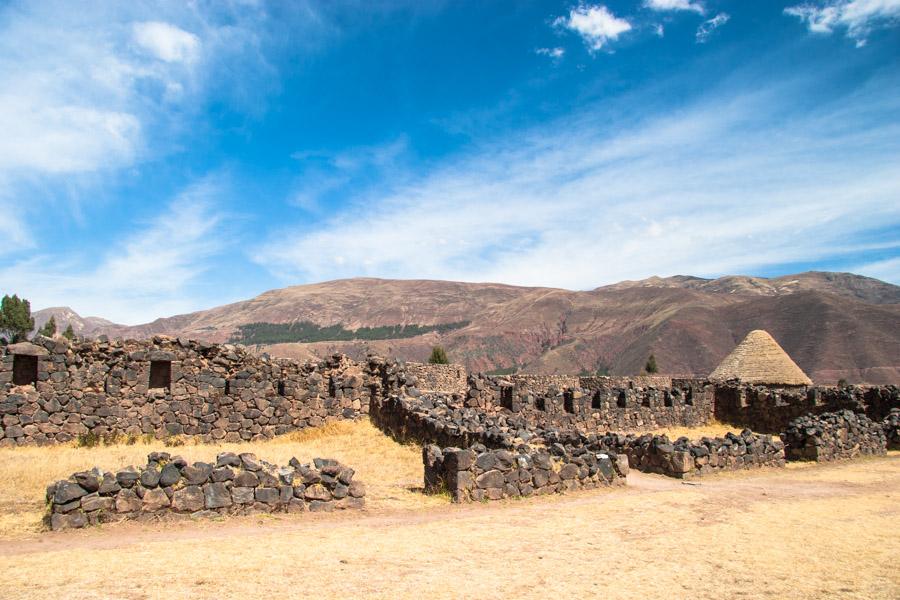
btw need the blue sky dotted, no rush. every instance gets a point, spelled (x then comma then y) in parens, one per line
(158, 158)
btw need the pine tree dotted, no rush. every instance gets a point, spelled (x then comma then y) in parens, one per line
(15, 318)
(69, 333)
(438, 356)
(651, 367)
(49, 328)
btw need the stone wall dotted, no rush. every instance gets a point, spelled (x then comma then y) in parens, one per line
(166, 386)
(595, 403)
(833, 436)
(448, 379)
(769, 409)
(686, 459)
(167, 485)
(477, 473)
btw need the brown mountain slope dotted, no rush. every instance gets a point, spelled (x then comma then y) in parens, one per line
(833, 324)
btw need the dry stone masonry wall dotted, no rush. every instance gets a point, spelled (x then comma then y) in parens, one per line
(892, 429)
(478, 474)
(53, 391)
(685, 459)
(833, 436)
(167, 485)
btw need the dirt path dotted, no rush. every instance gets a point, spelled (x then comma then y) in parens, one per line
(798, 533)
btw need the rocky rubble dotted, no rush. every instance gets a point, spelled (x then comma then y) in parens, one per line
(169, 485)
(833, 436)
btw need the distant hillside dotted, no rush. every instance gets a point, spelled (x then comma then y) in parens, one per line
(834, 325)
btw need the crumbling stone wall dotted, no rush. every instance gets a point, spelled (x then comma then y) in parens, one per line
(168, 485)
(215, 392)
(833, 436)
(477, 473)
(686, 459)
(770, 408)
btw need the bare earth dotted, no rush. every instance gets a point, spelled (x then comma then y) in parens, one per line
(801, 532)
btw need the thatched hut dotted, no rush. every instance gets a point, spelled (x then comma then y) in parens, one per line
(760, 360)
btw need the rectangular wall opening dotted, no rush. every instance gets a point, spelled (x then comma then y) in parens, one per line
(667, 398)
(569, 402)
(25, 369)
(506, 397)
(281, 388)
(595, 400)
(622, 400)
(689, 397)
(540, 403)
(161, 374)
(227, 387)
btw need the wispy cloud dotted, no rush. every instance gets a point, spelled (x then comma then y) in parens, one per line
(555, 53)
(596, 25)
(738, 181)
(858, 17)
(165, 41)
(671, 5)
(708, 27)
(149, 272)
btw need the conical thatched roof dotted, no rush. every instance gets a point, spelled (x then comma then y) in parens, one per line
(759, 359)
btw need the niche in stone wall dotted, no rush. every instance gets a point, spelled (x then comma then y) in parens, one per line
(689, 397)
(667, 398)
(622, 400)
(25, 369)
(596, 402)
(160, 374)
(540, 403)
(645, 399)
(569, 401)
(227, 387)
(506, 397)
(281, 388)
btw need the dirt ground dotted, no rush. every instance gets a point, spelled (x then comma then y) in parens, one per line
(808, 531)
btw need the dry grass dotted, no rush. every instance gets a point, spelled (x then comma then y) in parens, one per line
(712, 429)
(390, 471)
(827, 531)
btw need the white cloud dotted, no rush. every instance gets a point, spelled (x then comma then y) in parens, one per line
(555, 53)
(659, 30)
(858, 17)
(886, 270)
(667, 5)
(596, 25)
(734, 183)
(706, 28)
(165, 41)
(150, 272)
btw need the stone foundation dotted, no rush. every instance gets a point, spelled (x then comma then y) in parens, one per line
(167, 485)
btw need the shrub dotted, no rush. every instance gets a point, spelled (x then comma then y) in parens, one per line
(651, 367)
(438, 356)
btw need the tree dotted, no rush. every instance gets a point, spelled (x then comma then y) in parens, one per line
(49, 328)
(651, 367)
(438, 356)
(15, 318)
(69, 333)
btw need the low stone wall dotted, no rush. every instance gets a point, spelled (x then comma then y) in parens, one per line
(168, 485)
(833, 436)
(685, 459)
(891, 427)
(477, 474)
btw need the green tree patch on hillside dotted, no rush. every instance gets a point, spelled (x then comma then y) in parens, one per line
(307, 331)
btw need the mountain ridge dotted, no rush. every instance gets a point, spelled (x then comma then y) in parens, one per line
(835, 325)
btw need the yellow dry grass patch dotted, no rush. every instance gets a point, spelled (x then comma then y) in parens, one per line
(392, 472)
(823, 532)
(712, 429)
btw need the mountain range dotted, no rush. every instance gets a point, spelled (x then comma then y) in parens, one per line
(834, 325)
